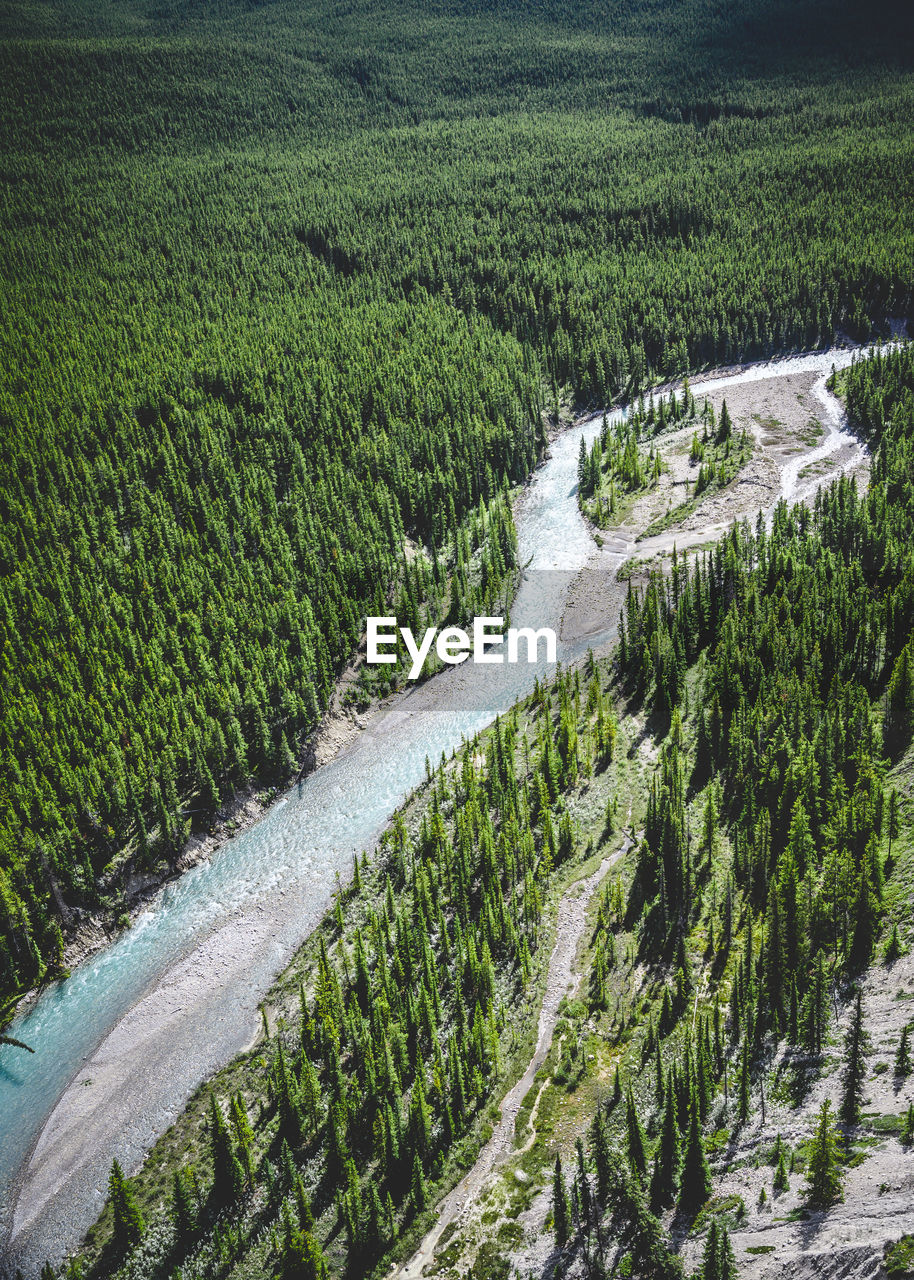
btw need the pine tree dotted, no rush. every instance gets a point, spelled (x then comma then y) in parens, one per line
(695, 1188)
(744, 1085)
(856, 1042)
(183, 1209)
(128, 1224)
(781, 1181)
(636, 1147)
(601, 1157)
(726, 1262)
(561, 1210)
(823, 1170)
(667, 1158)
(228, 1175)
(903, 1054)
(418, 1189)
(710, 1261)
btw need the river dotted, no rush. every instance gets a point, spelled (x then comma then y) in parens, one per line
(123, 1042)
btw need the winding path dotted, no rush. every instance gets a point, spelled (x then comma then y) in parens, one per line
(619, 544)
(561, 981)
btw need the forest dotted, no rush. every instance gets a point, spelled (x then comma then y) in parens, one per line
(288, 288)
(771, 870)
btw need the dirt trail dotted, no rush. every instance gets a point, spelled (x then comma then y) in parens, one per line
(561, 981)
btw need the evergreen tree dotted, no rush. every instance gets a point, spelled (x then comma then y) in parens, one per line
(710, 1261)
(636, 1145)
(781, 1180)
(823, 1169)
(418, 1189)
(903, 1054)
(725, 426)
(856, 1042)
(667, 1158)
(695, 1188)
(183, 1209)
(865, 916)
(127, 1221)
(893, 826)
(744, 1085)
(228, 1175)
(561, 1210)
(726, 1261)
(601, 1158)
(301, 1257)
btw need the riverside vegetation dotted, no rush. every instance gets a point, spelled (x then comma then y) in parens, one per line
(771, 870)
(615, 468)
(285, 284)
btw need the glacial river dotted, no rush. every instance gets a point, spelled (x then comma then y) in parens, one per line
(122, 1043)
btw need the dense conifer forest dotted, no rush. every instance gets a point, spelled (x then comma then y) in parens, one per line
(775, 671)
(284, 285)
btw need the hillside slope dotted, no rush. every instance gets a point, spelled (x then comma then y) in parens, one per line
(752, 733)
(284, 282)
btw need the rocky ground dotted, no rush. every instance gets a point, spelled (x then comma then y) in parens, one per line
(796, 447)
(457, 1209)
(498, 1223)
(495, 1223)
(878, 1200)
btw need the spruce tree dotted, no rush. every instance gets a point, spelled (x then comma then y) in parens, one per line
(893, 826)
(228, 1175)
(601, 1157)
(636, 1146)
(865, 914)
(823, 1169)
(893, 946)
(695, 1188)
(710, 1261)
(582, 1182)
(561, 1210)
(301, 1257)
(418, 1189)
(903, 1054)
(128, 1224)
(726, 1262)
(744, 1085)
(183, 1209)
(781, 1181)
(725, 427)
(856, 1042)
(667, 1158)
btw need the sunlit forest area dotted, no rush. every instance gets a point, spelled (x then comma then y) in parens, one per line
(771, 870)
(285, 284)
